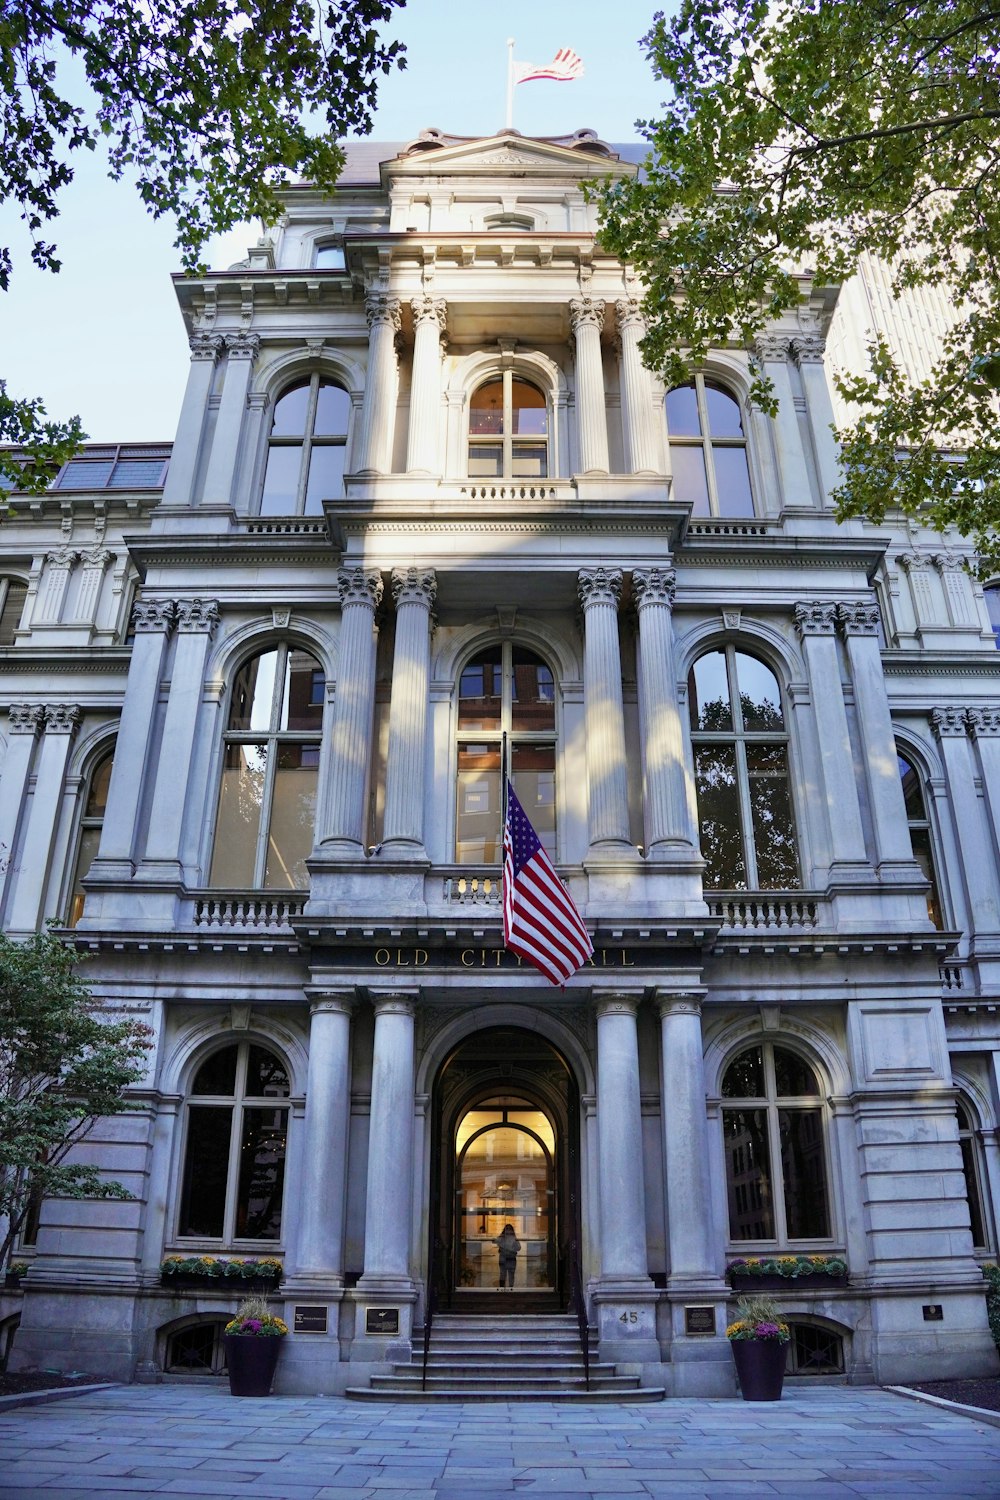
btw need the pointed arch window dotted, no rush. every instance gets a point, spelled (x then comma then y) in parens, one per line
(741, 774)
(508, 430)
(921, 840)
(90, 831)
(708, 449)
(505, 689)
(270, 764)
(307, 449)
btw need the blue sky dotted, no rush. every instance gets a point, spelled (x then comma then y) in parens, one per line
(104, 339)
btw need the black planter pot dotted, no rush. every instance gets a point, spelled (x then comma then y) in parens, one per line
(760, 1365)
(186, 1281)
(817, 1281)
(252, 1360)
(11, 1282)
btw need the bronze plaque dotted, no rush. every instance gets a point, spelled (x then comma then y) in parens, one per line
(933, 1312)
(382, 1320)
(309, 1320)
(699, 1319)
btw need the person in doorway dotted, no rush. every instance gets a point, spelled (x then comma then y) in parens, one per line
(508, 1245)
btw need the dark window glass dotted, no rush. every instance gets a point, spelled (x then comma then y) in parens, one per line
(262, 1174)
(12, 598)
(992, 597)
(920, 835)
(307, 449)
(281, 482)
(533, 704)
(803, 1173)
(302, 694)
(479, 692)
(760, 696)
(528, 410)
(533, 772)
(91, 825)
(203, 1195)
(709, 693)
(793, 1077)
(486, 409)
(86, 474)
(972, 1191)
(719, 817)
(266, 1075)
(326, 477)
(748, 1158)
(744, 1078)
(217, 1074)
(815, 1351)
(771, 812)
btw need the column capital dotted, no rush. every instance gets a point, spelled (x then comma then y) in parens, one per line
(678, 1002)
(807, 349)
(150, 616)
(26, 718)
(242, 345)
(391, 1003)
(858, 619)
(815, 618)
(653, 586)
(983, 722)
(615, 1003)
(628, 311)
(772, 348)
(913, 562)
(599, 586)
(381, 308)
(949, 723)
(428, 309)
(331, 1002)
(586, 312)
(948, 562)
(206, 346)
(359, 586)
(62, 557)
(414, 586)
(197, 616)
(62, 718)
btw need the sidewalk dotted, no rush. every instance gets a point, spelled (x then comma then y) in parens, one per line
(195, 1441)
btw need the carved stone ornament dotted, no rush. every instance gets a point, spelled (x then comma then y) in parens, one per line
(197, 615)
(430, 310)
(64, 557)
(26, 718)
(96, 556)
(628, 311)
(150, 615)
(983, 721)
(243, 345)
(600, 586)
(206, 346)
(772, 348)
(359, 586)
(393, 1005)
(858, 619)
(949, 722)
(280, 617)
(615, 1005)
(947, 562)
(414, 586)
(653, 586)
(808, 349)
(815, 618)
(731, 619)
(678, 1004)
(61, 718)
(912, 562)
(586, 310)
(381, 308)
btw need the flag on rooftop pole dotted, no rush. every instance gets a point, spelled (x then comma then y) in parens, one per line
(540, 919)
(564, 68)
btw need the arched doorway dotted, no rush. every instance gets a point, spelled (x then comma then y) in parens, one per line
(506, 1168)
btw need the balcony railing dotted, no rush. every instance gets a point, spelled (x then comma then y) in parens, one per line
(249, 913)
(474, 890)
(759, 911)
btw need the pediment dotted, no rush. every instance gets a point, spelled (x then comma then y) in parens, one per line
(506, 154)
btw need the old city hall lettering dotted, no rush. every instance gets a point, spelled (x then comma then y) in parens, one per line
(482, 958)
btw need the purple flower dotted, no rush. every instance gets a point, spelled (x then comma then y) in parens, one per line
(253, 1324)
(767, 1331)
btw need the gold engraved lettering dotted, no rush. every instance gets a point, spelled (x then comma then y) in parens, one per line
(419, 957)
(468, 958)
(382, 957)
(627, 963)
(401, 962)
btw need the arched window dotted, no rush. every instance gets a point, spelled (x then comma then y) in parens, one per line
(234, 1151)
(741, 774)
(772, 1121)
(992, 597)
(267, 802)
(708, 450)
(329, 258)
(920, 833)
(307, 449)
(13, 593)
(504, 690)
(508, 430)
(90, 831)
(975, 1176)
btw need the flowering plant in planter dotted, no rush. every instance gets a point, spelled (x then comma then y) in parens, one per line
(758, 1319)
(788, 1267)
(213, 1268)
(253, 1320)
(759, 1340)
(253, 1343)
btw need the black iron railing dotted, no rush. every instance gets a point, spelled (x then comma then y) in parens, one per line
(430, 1303)
(579, 1303)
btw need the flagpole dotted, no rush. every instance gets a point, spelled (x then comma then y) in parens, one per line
(510, 82)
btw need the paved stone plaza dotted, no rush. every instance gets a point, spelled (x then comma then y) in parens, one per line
(196, 1442)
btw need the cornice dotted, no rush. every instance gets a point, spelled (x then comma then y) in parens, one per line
(236, 550)
(984, 663)
(63, 659)
(776, 550)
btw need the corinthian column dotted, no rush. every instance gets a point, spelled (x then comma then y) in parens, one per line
(641, 447)
(350, 742)
(666, 788)
(241, 351)
(320, 1251)
(815, 623)
(403, 832)
(373, 450)
(26, 720)
(390, 1148)
(808, 351)
(619, 1131)
(685, 1140)
(179, 486)
(429, 317)
(26, 909)
(978, 865)
(587, 320)
(772, 350)
(600, 590)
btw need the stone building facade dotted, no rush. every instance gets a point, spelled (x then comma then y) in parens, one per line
(423, 495)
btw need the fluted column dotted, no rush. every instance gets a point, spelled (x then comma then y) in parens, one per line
(179, 486)
(153, 621)
(692, 1241)
(665, 773)
(429, 319)
(642, 451)
(807, 351)
(414, 590)
(59, 564)
(196, 622)
(26, 911)
(323, 1183)
(587, 320)
(373, 446)
(772, 350)
(343, 828)
(390, 1147)
(600, 590)
(815, 623)
(26, 721)
(978, 861)
(619, 1131)
(984, 731)
(241, 351)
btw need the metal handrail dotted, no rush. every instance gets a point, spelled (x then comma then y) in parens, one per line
(579, 1302)
(430, 1302)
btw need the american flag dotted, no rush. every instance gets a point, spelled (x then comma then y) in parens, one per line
(563, 68)
(540, 920)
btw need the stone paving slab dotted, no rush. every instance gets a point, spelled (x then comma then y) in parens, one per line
(199, 1443)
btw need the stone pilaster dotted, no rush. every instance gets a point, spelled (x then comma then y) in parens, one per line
(413, 590)
(429, 319)
(26, 911)
(59, 564)
(599, 591)
(975, 840)
(587, 320)
(373, 445)
(390, 1149)
(808, 351)
(693, 1242)
(619, 1126)
(642, 452)
(342, 828)
(815, 622)
(320, 1251)
(772, 352)
(241, 351)
(178, 489)
(25, 724)
(666, 781)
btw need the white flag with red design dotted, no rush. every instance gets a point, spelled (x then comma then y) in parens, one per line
(564, 68)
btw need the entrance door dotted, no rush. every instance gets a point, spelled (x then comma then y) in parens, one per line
(505, 1208)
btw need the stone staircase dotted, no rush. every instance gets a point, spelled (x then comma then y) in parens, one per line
(526, 1357)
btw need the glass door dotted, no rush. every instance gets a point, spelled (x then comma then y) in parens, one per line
(505, 1198)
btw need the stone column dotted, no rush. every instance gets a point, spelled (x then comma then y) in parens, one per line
(587, 320)
(815, 624)
(26, 911)
(984, 730)
(196, 622)
(772, 351)
(807, 351)
(52, 593)
(429, 319)
(95, 560)
(343, 827)
(26, 720)
(978, 865)
(693, 1252)
(153, 620)
(320, 1254)
(390, 1149)
(642, 452)
(859, 624)
(414, 590)
(241, 349)
(179, 486)
(600, 590)
(665, 773)
(624, 1265)
(373, 445)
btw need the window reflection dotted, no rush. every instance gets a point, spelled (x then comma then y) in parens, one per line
(708, 452)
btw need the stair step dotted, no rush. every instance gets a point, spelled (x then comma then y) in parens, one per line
(582, 1398)
(492, 1383)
